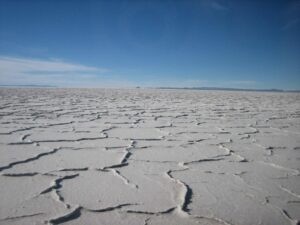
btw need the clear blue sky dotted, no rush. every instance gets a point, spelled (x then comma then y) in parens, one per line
(234, 43)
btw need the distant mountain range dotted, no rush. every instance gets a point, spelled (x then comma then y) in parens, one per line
(25, 85)
(179, 88)
(228, 89)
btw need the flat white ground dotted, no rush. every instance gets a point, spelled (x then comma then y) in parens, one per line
(149, 157)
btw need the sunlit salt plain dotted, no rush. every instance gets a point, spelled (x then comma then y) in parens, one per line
(149, 157)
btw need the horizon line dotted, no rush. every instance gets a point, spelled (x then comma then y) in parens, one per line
(208, 88)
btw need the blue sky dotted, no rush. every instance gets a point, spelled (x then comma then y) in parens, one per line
(233, 43)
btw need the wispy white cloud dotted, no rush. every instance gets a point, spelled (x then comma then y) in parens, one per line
(292, 13)
(291, 23)
(216, 5)
(8, 64)
(14, 70)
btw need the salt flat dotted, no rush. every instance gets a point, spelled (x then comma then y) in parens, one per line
(152, 157)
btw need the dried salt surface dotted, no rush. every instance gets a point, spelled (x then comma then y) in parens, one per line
(68, 159)
(108, 156)
(14, 191)
(189, 153)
